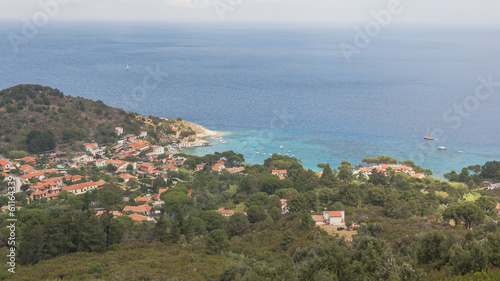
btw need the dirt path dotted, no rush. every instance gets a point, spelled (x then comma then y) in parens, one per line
(332, 230)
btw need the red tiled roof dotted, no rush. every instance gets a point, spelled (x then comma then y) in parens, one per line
(138, 217)
(334, 213)
(137, 209)
(317, 218)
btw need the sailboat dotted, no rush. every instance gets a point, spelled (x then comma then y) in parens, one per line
(128, 68)
(427, 137)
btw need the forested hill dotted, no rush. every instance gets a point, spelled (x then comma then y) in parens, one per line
(31, 113)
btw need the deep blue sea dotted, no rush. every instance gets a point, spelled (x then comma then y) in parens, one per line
(271, 86)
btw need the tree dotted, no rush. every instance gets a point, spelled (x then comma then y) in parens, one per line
(328, 179)
(297, 203)
(470, 213)
(176, 202)
(130, 167)
(256, 213)
(213, 220)
(110, 195)
(216, 241)
(111, 168)
(237, 224)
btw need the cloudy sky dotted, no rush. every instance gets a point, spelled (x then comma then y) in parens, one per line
(443, 12)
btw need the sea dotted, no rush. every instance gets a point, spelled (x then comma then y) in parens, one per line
(323, 93)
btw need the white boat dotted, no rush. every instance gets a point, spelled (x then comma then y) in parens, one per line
(281, 146)
(442, 148)
(263, 154)
(223, 142)
(128, 68)
(289, 151)
(248, 155)
(460, 151)
(257, 152)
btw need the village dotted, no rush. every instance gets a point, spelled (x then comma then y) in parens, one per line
(46, 182)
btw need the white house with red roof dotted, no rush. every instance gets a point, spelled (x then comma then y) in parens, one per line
(82, 188)
(334, 217)
(224, 212)
(5, 165)
(199, 167)
(282, 174)
(158, 150)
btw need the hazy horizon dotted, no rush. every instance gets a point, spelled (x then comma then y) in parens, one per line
(423, 12)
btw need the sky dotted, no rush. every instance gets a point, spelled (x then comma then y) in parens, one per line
(419, 12)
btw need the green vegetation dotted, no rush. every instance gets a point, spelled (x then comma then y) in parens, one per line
(37, 119)
(402, 223)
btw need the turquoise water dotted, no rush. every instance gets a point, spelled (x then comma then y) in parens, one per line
(273, 86)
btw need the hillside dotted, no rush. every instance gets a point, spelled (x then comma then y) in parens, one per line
(37, 118)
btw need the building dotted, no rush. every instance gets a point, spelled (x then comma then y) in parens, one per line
(82, 188)
(225, 213)
(139, 210)
(5, 165)
(282, 174)
(318, 219)
(158, 150)
(119, 131)
(334, 217)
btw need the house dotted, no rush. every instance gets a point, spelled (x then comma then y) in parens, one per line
(27, 169)
(140, 210)
(83, 158)
(235, 170)
(119, 131)
(29, 160)
(144, 199)
(39, 176)
(140, 218)
(126, 177)
(5, 165)
(158, 150)
(284, 206)
(157, 200)
(334, 217)
(148, 168)
(493, 186)
(198, 168)
(225, 213)
(282, 174)
(114, 213)
(73, 178)
(119, 164)
(82, 188)
(93, 148)
(143, 134)
(318, 219)
(418, 175)
(173, 168)
(218, 167)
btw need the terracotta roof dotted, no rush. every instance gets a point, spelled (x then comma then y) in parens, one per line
(279, 171)
(334, 213)
(82, 185)
(317, 218)
(126, 176)
(137, 209)
(32, 175)
(4, 162)
(138, 217)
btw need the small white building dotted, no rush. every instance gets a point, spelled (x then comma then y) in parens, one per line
(143, 134)
(119, 131)
(494, 186)
(334, 217)
(158, 150)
